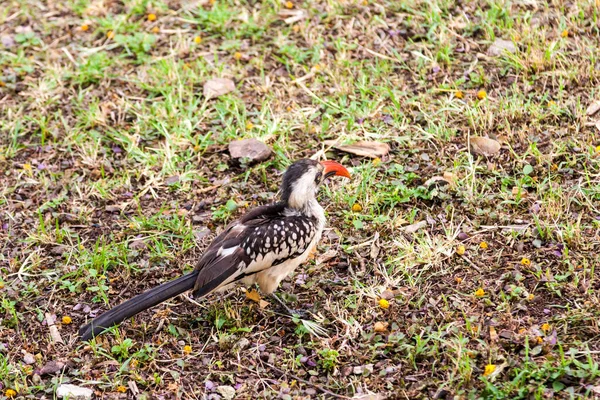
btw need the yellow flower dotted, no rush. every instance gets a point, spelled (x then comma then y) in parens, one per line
(1, 285)
(525, 261)
(564, 33)
(156, 29)
(376, 161)
(546, 327)
(460, 250)
(10, 393)
(288, 108)
(249, 125)
(317, 68)
(237, 55)
(459, 94)
(289, 4)
(27, 168)
(551, 103)
(383, 303)
(197, 40)
(212, 2)
(554, 167)
(134, 363)
(481, 94)
(85, 27)
(598, 149)
(110, 34)
(187, 349)
(480, 292)
(121, 388)
(483, 245)
(530, 297)
(66, 320)
(357, 207)
(489, 369)
(539, 340)
(151, 17)
(522, 331)
(365, 3)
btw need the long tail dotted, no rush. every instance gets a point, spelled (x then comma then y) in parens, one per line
(138, 304)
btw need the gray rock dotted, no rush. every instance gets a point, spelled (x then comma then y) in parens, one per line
(499, 46)
(73, 392)
(28, 358)
(241, 344)
(249, 151)
(7, 41)
(227, 392)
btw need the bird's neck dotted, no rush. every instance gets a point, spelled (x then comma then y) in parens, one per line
(311, 209)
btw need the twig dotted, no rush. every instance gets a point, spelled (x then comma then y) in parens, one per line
(54, 333)
(471, 263)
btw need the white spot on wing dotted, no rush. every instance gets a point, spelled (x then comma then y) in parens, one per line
(227, 252)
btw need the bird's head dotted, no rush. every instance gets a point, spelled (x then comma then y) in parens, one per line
(302, 179)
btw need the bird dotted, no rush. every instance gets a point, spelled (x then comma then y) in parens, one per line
(262, 247)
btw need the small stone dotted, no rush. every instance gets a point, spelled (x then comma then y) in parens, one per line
(28, 358)
(171, 180)
(358, 370)
(249, 150)
(242, 344)
(73, 392)
(7, 41)
(499, 46)
(227, 392)
(58, 250)
(387, 294)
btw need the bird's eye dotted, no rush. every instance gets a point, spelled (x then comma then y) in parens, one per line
(318, 177)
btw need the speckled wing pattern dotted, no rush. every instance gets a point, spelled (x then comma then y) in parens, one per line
(265, 237)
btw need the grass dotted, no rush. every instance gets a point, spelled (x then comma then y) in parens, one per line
(115, 176)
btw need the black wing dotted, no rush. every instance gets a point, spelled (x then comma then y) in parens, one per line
(264, 237)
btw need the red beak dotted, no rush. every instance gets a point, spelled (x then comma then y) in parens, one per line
(333, 168)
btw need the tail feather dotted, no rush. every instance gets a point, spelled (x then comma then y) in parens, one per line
(138, 304)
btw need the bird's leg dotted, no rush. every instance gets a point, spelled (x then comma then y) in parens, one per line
(289, 311)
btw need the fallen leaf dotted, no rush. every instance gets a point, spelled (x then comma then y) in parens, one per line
(414, 227)
(380, 326)
(484, 146)
(593, 108)
(435, 179)
(493, 334)
(253, 295)
(263, 304)
(362, 148)
(328, 255)
(218, 87)
(387, 294)
(500, 46)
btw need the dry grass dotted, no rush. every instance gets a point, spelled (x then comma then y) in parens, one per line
(101, 109)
